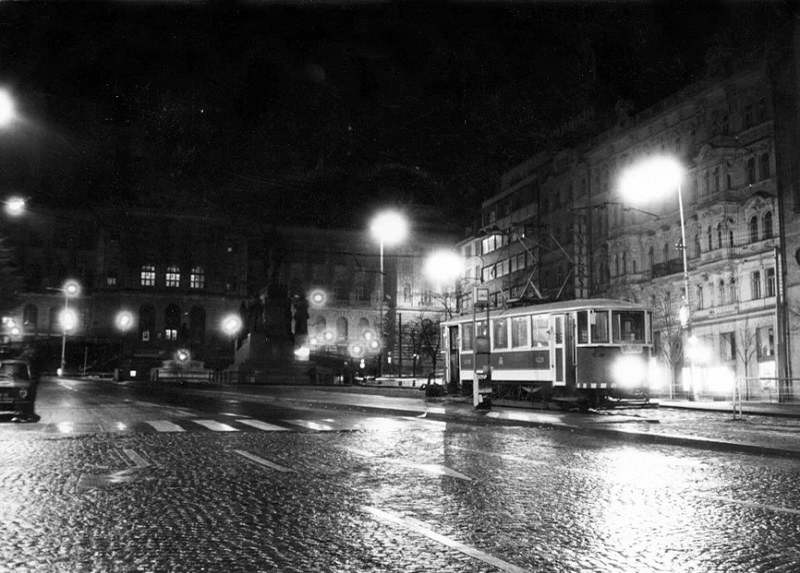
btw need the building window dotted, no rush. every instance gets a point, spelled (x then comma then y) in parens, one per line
(665, 252)
(111, 278)
(719, 235)
(721, 292)
(729, 180)
(616, 265)
(697, 249)
(651, 258)
(727, 346)
(148, 275)
(339, 292)
(732, 294)
(755, 285)
(753, 229)
(173, 276)
(770, 276)
(198, 278)
(710, 244)
(764, 166)
(30, 317)
(341, 328)
(172, 322)
(767, 225)
(766, 342)
(700, 301)
(361, 291)
(147, 322)
(716, 180)
(751, 171)
(730, 237)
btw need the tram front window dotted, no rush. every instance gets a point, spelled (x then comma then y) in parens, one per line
(628, 326)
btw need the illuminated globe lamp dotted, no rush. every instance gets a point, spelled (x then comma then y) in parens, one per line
(318, 298)
(15, 206)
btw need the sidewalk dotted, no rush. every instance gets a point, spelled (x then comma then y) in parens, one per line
(770, 429)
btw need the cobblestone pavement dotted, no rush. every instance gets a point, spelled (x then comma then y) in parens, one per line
(341, 490)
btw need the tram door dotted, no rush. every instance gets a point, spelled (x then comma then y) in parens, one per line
(453, 346)
(557, 350)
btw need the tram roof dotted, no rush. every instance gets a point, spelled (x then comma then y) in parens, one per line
(559, 306)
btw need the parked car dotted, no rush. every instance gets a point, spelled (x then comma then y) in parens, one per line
(17, 390)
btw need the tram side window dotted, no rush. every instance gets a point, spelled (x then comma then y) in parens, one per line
(600, 327)
(466, 337)
(500, 333)
(519, 331)
(583, 327)
(628, 326)
(540, 336)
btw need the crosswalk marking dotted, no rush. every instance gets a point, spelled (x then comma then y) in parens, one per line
(215, 426)
(262, 425)
(164, 426)
(311, 425)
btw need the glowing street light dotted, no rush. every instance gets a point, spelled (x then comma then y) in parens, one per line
(15, 206)
(444, 268)
(389, 228)
(68, 319)
(656, 177)
(7, 113)
(124, 321)
(231, 325)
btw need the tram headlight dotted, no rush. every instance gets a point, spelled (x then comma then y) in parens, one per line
(629, 371)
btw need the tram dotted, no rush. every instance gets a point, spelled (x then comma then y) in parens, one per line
(578, 352)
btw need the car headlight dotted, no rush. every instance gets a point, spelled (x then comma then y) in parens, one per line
(23, 392)
(629, 371)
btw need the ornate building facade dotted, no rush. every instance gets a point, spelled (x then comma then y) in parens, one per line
(560, 228)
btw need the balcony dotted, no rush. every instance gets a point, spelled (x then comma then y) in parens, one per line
(671, 267)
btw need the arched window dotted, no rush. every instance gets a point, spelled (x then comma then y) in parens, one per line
(406, 293)
(700, 301)
(753, 229)
(732, 290)
(697, 250)
(721, 292)
(197, 326)
(651, 258)
(764, 166)
(320, 324)
(363, 326)
(719, 235)
(172, 322)
(716, 180)
(147, 322)
(707, 182)
(730, 237)
(751, 170)
(30, 318)
(710, 245)
(767, 223)
(341, 328)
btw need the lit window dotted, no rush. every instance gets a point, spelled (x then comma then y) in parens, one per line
(111, 278)
(148, 276)
(171, 334)
(198, 278)
(173, 276)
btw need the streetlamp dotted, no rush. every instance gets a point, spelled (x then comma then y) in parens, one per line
(231, 325)
(656, 177)
(443, 268)
(15, 206)
(124, 322)
(389, 228)
(68, 318)
(7, 112)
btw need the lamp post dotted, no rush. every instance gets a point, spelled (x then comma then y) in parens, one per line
(124, 322)
(655, 177)
(389, 228)
(68, 320)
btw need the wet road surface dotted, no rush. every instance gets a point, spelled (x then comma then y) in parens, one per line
(112, 479)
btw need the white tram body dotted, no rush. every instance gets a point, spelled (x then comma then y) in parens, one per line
(592, 347)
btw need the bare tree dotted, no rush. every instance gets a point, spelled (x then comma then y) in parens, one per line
(746, 346)
(426, 339)
(671, 342)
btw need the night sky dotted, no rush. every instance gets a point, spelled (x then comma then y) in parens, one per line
(316, 113)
